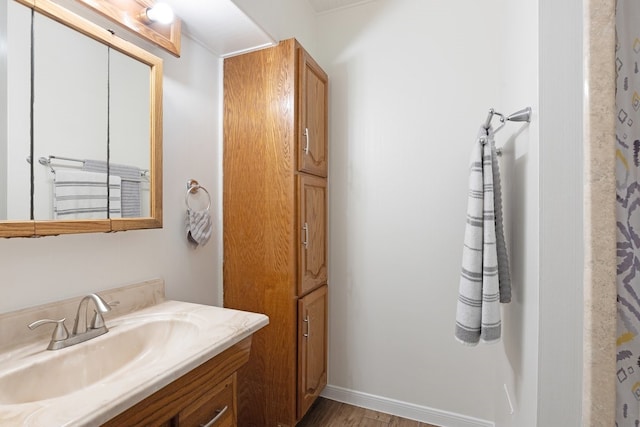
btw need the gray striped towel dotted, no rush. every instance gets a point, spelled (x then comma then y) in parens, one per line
(484, 279)
(83, 195)
(130, 184)
(199, 226)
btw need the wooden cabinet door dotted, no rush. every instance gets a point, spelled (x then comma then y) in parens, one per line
(312, 347)
(312, 126)
(216, 407)
(312, 201)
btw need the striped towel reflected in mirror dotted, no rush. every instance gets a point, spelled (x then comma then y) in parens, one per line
(131, 179)
(484, 279)
(84, 195)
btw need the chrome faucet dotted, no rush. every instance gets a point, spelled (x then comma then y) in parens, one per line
(98, 321)
(61, 337)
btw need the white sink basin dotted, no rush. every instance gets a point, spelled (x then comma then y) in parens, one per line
(89, 383)
(56, 373)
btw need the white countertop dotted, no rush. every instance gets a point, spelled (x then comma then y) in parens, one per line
(211, 331)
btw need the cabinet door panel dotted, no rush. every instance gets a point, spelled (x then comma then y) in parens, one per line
(312, 347)
(313, 95)
(312, 199)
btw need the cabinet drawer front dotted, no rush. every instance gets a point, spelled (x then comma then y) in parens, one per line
(217, 402)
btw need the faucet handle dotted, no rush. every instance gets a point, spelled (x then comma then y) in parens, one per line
(59, 333)
(97, 321)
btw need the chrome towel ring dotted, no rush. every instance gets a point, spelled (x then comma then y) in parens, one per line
(193, 187)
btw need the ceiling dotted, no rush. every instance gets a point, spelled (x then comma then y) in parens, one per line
(220, 26)
(224, 29)
(327, 5)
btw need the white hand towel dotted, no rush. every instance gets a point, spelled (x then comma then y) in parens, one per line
(478, 309)
(199, 226)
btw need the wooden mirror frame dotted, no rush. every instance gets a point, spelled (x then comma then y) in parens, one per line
(34, 228)
(127, 14)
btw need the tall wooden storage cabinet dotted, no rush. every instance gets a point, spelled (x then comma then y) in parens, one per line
(275, 226)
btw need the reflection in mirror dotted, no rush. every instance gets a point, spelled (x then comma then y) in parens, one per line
(70, 115)
(129, 132)
(15, 64)
(95, 120)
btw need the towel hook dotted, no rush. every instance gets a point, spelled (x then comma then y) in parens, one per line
(523, 115)
(192, 188)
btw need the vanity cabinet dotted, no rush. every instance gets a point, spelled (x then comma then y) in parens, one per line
(214, 408)
(199, 397)
(275, 226)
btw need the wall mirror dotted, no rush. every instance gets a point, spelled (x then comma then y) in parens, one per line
(80, 125)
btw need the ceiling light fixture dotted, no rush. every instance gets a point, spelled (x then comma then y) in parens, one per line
(160, 13)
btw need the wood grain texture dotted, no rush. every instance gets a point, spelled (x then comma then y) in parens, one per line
(312, 250)
(155, 148)
(52, 228)
(165, 404)
(312, 348)
(329, 413)
(70, 19)
(218, 401)
(17, 228)
(261, 224)
(126, 13)
(313, 94)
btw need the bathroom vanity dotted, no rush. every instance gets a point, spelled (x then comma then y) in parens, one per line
(205, 396)
(162, 363)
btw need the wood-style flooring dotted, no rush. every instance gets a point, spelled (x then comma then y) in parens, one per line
(329, 413)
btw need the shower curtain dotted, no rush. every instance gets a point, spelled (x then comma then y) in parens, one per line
(628, 212)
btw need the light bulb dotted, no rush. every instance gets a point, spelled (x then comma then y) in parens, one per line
(161, 13)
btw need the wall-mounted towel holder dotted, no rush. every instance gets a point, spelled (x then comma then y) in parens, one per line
(193, 187)
(523, 115)
(75, 164)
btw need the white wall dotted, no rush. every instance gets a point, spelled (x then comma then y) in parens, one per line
(561, 213)
(517, 361)
(40, 270)
(411, 81)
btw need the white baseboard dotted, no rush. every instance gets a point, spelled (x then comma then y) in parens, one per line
(423, 414)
